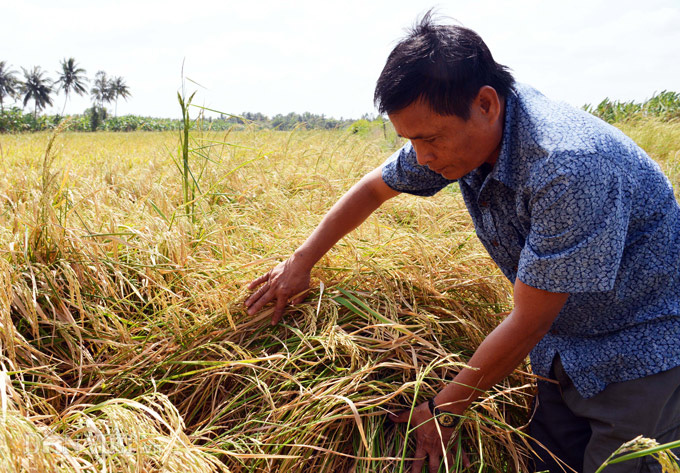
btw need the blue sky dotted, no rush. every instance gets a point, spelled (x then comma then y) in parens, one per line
(324, 57)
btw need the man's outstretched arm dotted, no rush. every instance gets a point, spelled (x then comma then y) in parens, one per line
(495, 358)
(291, 277)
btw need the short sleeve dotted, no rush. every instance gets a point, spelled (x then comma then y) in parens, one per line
(402, 173)
(580, 209)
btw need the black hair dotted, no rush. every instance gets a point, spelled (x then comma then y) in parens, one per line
(443, 65)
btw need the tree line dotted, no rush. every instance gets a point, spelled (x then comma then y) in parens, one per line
(291, 121)
(664, 105)
(13, 120)
(35, 86)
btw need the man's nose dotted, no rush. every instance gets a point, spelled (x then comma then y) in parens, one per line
(424, 154)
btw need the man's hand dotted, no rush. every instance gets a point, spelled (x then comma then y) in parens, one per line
(432, 440)
(290, 279)
(287, 280)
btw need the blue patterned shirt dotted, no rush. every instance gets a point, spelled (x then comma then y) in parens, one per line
(573, 205)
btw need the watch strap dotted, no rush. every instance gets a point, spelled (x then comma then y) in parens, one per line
(444, 419)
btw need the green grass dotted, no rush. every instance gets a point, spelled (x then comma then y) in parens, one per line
(661, 140)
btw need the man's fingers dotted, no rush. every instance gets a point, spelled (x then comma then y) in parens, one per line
(278, 284)
(420, 454)
(262, 299)
(252, 301)
(279, 309)
(433, 463)
(459, 458)
(256, 295)
(258, 281)
(417, 466)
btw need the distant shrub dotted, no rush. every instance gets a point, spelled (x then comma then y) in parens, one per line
(14, 120)
(360, 127)
(664, 106)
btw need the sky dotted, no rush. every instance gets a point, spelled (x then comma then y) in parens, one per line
(275, 56)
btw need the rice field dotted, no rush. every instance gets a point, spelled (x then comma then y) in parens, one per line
(124, 343)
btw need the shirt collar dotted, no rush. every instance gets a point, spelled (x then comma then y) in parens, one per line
(504, 169)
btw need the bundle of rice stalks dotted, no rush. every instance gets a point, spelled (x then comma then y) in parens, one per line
(122, 320)
(121, 435)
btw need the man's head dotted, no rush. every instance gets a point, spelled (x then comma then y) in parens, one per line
(443, 66)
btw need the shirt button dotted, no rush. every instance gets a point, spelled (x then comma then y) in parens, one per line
(484, 203)
(495, 243)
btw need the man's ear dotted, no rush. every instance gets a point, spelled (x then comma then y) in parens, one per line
(489, 103)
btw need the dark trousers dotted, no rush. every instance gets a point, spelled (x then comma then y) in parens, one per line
(583, 433)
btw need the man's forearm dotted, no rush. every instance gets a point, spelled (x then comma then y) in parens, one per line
(504, 348)
(289, 280)
(495, 358)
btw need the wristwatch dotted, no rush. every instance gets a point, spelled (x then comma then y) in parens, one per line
(444, 419)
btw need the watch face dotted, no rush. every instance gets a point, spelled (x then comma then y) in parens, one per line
(446, 420)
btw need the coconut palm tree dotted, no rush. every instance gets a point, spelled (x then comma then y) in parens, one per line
(119, 89)
(38, 88)
(71, 78)
(9, 84)
(101, 90)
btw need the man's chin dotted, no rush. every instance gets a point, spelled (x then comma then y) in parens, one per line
(448, 173)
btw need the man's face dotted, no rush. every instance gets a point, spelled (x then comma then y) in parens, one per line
(449, 145)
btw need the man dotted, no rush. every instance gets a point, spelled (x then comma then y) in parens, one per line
(578, 217)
